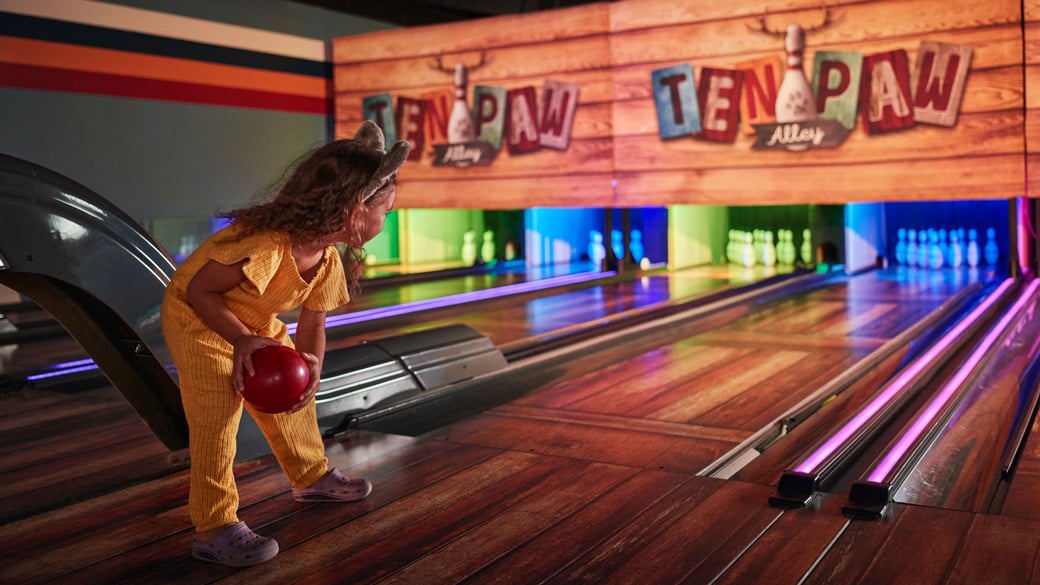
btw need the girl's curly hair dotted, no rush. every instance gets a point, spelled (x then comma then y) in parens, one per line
(317, 196)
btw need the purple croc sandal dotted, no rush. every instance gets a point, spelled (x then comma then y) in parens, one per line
(334, 487)
(238, 546)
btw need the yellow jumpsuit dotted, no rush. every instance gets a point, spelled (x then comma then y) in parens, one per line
(204, 361)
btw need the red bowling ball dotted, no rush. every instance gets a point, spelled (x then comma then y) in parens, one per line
(280, 377)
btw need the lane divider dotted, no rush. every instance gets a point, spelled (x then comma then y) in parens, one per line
(799, 484)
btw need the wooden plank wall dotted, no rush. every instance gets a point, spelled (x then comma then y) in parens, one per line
(1031, 9)
(610, 50)
(568, 45)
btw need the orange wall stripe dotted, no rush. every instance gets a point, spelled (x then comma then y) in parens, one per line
(20, 51)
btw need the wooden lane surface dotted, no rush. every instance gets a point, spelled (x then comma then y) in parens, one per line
(504, 320)
(59, 448)
(962, 468)
(558, 486)
(512, 319)
(684, 405)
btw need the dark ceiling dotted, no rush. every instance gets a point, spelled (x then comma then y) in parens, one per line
(421, 12)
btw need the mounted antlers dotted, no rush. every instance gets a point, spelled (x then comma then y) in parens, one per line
(762, 27)
(439, 64)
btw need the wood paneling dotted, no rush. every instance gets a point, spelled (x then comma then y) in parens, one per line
(616, 156)
(1031, 31)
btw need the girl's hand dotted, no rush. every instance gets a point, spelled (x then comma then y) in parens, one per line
(314, 364)
(242, 361)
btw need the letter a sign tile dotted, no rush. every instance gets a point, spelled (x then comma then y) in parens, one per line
(885, 101)
(675, 97)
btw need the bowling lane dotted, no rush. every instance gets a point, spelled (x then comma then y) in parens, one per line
(970, 462)
(687, 403)
(526, 317)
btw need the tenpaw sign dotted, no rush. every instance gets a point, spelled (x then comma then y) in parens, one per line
(791, 112)
(521, 119)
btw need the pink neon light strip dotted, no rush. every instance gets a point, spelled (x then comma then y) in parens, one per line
(1026, 235)
(884, 468)
(811, 463)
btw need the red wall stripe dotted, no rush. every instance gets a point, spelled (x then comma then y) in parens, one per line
(55, 79)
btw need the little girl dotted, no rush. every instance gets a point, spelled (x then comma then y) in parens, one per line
(222, 304)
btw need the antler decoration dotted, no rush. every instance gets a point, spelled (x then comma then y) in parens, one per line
(439, 64)
(762, 27)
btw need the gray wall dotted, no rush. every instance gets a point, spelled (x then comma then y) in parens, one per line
(168, 163)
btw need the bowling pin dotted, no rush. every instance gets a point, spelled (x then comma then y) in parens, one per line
(944, 245)
(768, 250)
(924, 248)
(807, 249)
(935, 255)
(956, 250)
(597, 251)
(990, 251)
(972, 255)
(901, 246)
(788, 256)
(747, 252)
(617, 244)
(911, 247)
(487, 248)
(635, 245)
(184, 251)
(469, 248)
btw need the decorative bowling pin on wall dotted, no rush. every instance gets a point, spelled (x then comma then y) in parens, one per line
(794, 98)
(460, 122)
(469, 248)
(990, 251)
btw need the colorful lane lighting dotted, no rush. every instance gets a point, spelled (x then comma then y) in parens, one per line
(869, 496)
(798, 485)
(86, 365)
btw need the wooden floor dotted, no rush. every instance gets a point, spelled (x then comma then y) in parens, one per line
(590, 478)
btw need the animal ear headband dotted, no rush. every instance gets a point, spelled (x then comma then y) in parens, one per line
(370, 135)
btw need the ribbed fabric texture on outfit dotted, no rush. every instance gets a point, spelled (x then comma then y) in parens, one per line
(204, 361)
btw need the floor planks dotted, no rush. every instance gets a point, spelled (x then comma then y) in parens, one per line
(591, 479)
